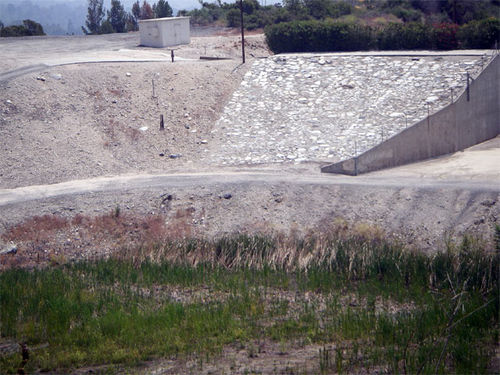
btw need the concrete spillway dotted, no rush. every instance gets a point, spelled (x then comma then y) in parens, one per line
(335, 106)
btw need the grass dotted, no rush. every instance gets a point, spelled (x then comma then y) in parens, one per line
(365, 302)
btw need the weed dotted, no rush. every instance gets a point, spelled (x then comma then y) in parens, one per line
(380, 305)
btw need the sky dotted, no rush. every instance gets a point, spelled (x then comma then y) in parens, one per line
(178, 4)
(60, 17)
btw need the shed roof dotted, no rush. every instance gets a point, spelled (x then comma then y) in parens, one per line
(163, 19)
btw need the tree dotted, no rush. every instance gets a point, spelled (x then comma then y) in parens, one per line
(233, 18)
(146, 11)
(295, 7)
(106, 28)
(1, 25)
(162, 9)
(131, 23)
(95, 14)
(33, 28)
(117, 16)
(133, 17)
(136, 10)
(28, 28)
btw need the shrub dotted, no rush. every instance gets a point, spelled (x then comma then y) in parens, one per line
(479, 34)
(407, 15)
(233, 18)
(444, 36)
(323, 36)
(28, 28)
(308, 36)
(397, 36)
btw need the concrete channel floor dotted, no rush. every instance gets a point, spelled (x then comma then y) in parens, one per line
(477, 163)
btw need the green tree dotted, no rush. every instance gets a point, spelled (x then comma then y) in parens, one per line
(133, 17)
(95, 15)
(136, 10)
(117, 16)
(1, 25)
(106, 28)
(33, 28)
(146, 11)
(162, 9)
(131, 24)
(233, 18)
(28, 28)
(14, 30)
(296, 8)
(318, 9)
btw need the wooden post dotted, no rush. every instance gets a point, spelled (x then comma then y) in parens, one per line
(172, 54)
(162, 124)
(242, 33)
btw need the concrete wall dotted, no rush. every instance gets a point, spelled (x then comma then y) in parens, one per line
(455, 127)
(165, 32)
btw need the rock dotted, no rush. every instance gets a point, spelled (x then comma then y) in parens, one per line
(480, 220)
(128, 74)
(8, 101)
(41, 79)
(9, 249)
(204, 142)
(166, 198)
(488, 202)
(114, 101)
(143, 128)
(174, 156)
(161, 154)
(56, 76)
(227, 196)
(431, 99)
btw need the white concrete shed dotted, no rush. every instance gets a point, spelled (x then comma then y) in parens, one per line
(165, 32)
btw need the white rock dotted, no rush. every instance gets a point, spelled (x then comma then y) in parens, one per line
(128, 74)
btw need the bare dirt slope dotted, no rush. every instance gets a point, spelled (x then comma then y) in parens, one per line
(84, 120)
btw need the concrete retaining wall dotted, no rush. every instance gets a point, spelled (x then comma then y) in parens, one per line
(455, 127)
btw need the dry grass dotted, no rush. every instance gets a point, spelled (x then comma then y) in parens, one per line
(36, 228)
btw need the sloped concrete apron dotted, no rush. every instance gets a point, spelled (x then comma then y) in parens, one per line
(330, 107)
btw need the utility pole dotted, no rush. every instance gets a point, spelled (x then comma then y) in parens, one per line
(242, 32)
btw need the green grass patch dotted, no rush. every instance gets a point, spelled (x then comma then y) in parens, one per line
(376, 303)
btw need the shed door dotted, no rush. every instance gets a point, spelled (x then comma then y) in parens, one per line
(177, 33)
